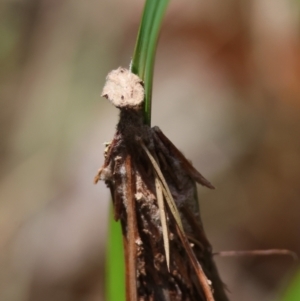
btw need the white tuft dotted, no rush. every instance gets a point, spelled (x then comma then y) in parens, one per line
(124, 89)
(138, 196)
(122, 171)
(138, 241)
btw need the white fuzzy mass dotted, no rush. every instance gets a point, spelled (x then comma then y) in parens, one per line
(124, 89)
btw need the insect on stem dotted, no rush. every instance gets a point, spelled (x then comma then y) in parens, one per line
(167, 255)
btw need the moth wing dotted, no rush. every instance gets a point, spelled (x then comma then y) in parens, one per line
(188, 167)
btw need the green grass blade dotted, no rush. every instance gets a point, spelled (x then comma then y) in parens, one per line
(144, 53)
(293, 291)
(115, 269)
(142, 65)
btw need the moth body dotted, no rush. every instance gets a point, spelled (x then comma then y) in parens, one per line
(167, 254)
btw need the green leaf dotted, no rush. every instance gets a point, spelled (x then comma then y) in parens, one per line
(115, 269)
(144, 53)
(293, 291)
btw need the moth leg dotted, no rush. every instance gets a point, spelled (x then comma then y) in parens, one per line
(175, 152)
(98, 175)
(110, 149)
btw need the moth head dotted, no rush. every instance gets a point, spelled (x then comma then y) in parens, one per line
(124, 89)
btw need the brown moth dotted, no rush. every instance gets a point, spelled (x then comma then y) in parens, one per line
(167, 254)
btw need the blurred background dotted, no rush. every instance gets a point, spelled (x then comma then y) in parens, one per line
(226, 92)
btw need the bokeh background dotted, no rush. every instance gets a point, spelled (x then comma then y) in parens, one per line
(226, 91)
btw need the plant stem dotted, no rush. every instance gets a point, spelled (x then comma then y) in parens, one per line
(145, 49)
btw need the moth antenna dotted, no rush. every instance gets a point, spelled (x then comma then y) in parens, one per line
(108, 156)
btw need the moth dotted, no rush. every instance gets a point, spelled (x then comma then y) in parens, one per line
(167, 254)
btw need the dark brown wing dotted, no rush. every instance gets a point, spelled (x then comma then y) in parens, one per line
(131, 178)
(180, 175)
(170, 150)
(203, 251)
